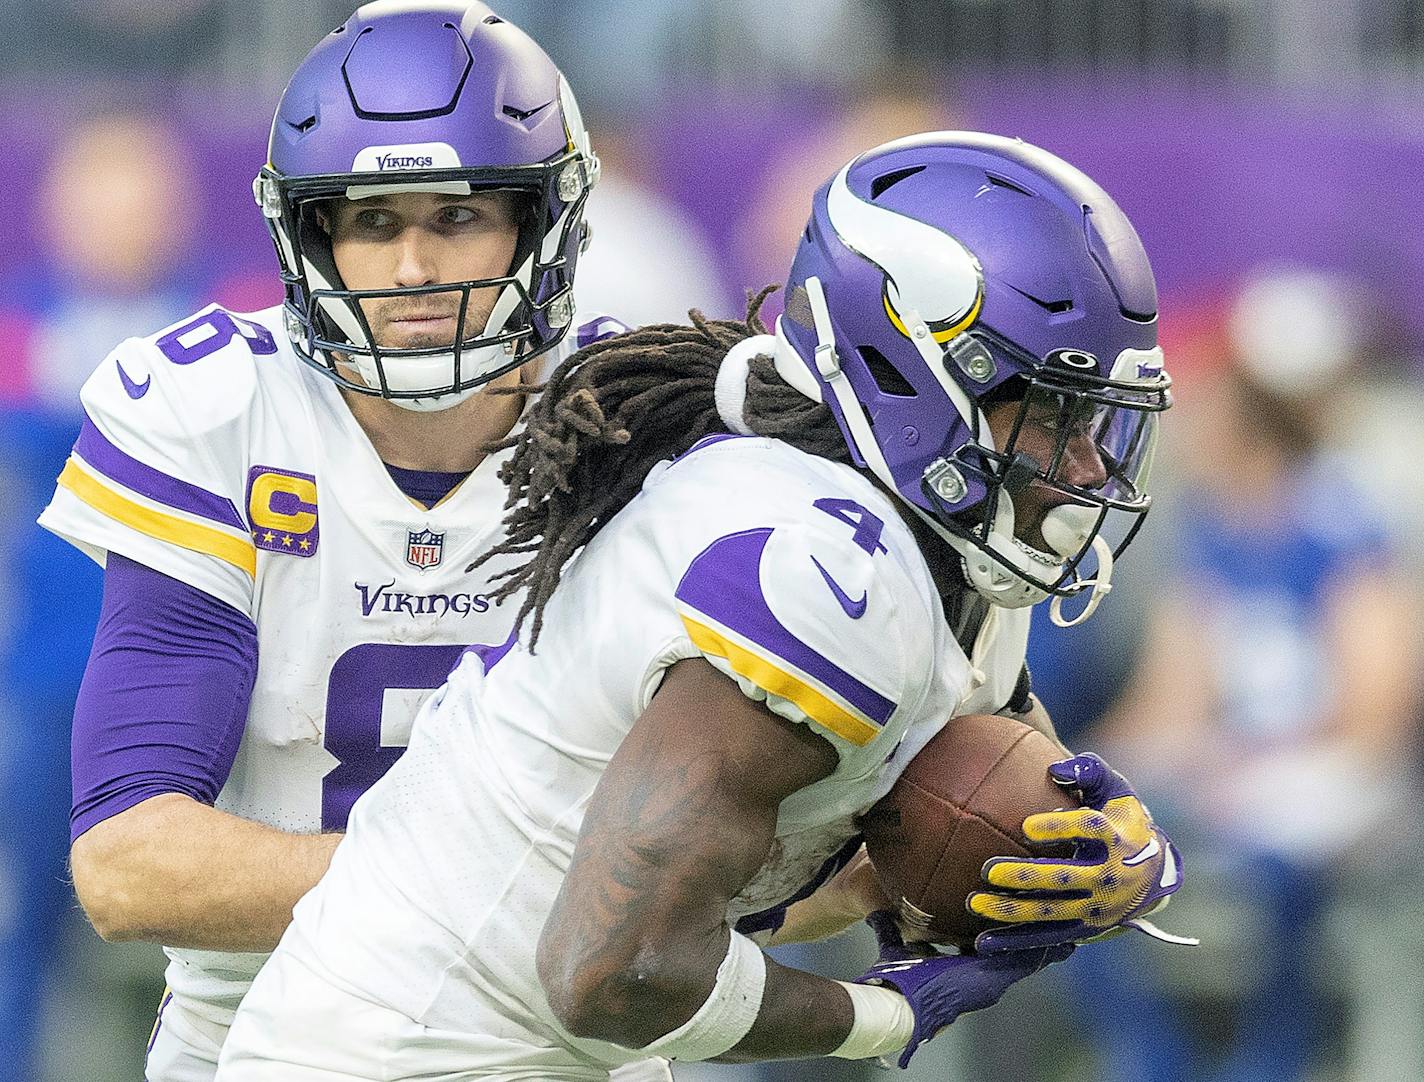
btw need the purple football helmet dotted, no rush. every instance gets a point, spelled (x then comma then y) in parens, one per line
(946, 273)
(443, 97)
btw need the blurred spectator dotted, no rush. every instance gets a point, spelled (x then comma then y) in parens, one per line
(625, 55)
(113, 37)
(648, 261)
(116, 211)
(1272, 716)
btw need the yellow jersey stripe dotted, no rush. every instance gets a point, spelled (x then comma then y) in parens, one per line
(176, 531)
(779, 682)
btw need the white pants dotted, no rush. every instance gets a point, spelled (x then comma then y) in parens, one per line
(303, 1029)
(183, 1048)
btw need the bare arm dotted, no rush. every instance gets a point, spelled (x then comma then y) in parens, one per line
(1372, 633)
(850, 896)
(681, 820)
(1165, 722)
(179, 872)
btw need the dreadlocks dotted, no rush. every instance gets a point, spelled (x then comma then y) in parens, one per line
(609, 414)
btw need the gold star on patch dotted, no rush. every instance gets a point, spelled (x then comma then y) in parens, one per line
(269, 537)
(304, 545)
(286, 540)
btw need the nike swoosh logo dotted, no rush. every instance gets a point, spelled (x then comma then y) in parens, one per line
(135, 390)
(1170, 874)
(1147, 852)
(854, 609)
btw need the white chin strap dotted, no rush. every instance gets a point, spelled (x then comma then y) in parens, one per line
(1065, 528)
(432, 372)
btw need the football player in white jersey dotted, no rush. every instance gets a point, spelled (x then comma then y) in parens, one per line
(765, 570)
(285, 502)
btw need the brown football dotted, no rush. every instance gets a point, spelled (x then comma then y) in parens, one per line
(960, 801)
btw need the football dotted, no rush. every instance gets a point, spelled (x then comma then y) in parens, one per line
(960, 801)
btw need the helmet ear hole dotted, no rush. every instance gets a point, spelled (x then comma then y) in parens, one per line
(887, 377)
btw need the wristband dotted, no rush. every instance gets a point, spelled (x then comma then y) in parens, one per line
(729, 1011)
(883, 1022)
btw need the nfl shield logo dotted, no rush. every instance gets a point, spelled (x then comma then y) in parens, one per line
(424, 548)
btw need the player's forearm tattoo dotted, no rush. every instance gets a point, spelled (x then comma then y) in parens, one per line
(642, 907)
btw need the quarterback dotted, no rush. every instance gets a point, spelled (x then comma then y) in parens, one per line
(285, 502)
(760, 572)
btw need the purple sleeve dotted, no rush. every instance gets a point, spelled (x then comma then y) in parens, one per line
(165, 695)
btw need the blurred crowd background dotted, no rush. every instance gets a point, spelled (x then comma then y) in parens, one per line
(1256, 671)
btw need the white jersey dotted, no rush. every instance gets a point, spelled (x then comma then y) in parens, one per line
(211, 453)
(792, 575)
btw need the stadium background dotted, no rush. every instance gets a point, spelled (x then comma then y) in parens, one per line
(1258, 666)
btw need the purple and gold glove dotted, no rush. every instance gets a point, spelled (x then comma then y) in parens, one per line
(941, 987)
(1123, 868)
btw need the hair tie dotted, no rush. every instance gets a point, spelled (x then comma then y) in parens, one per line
(731, 389)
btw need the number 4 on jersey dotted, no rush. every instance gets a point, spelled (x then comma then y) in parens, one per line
(867, 525)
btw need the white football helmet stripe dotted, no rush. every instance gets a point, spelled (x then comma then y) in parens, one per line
(929, 271)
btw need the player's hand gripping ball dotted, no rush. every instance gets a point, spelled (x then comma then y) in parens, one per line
(941, 987)
(1123, 867)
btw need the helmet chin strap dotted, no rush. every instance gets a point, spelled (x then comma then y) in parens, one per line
(437, 403)
(1009, 589)
(1067, 529)
(1099, 585)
